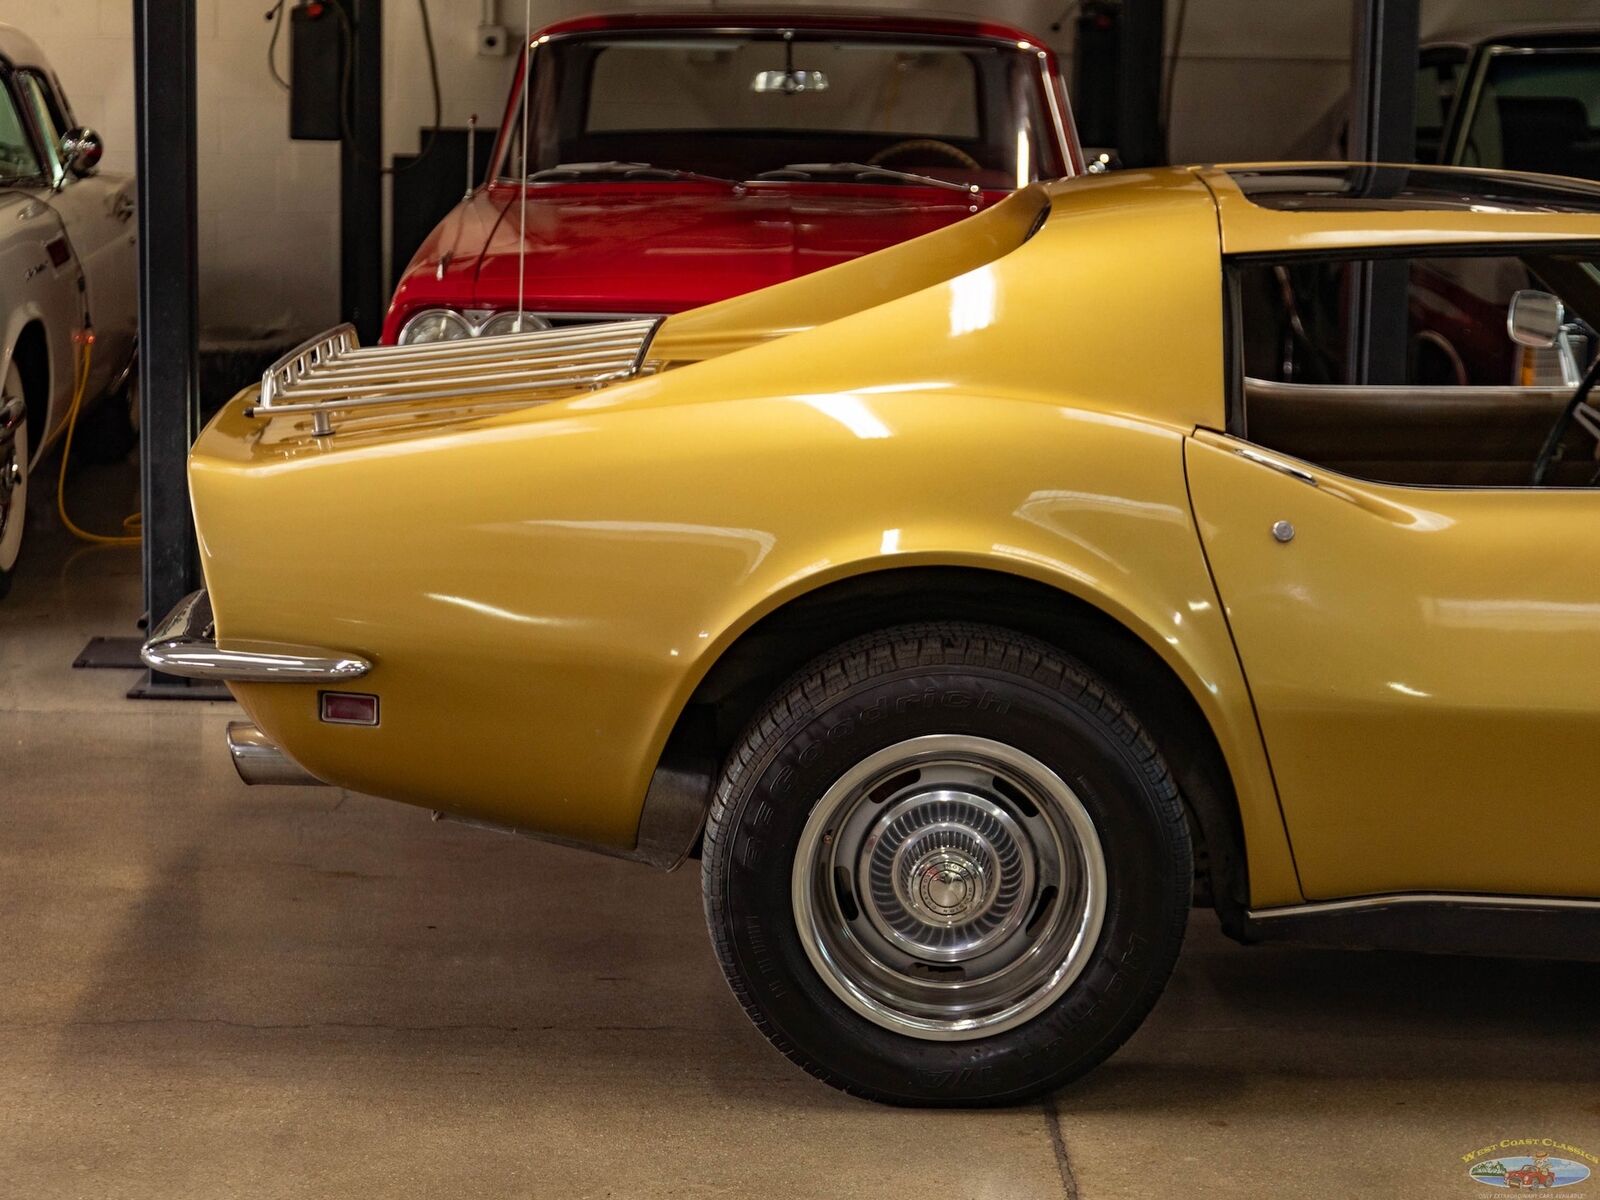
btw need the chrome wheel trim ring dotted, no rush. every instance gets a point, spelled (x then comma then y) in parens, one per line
(1024, 928)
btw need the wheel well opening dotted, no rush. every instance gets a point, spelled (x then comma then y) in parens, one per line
(779, 645)
(32, 356)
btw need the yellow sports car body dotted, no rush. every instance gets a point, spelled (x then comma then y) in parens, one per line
(970, 607)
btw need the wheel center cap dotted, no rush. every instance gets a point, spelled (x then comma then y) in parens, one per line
(944, 875)
(947, 885)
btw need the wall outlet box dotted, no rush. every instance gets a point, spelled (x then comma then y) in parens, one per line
(493, 41)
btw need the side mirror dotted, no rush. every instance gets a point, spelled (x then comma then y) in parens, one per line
(1534, 319)
(1538, 321)
(81, 150)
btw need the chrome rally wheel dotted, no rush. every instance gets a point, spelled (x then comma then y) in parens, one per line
(949, 887)
(946, 866)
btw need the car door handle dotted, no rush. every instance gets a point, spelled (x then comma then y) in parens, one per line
(1278, 465)
(122, 206)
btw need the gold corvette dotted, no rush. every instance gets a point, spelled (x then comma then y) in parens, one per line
(973, 607)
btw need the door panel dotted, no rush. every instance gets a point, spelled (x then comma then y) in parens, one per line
(97, 212)
(1425, 664)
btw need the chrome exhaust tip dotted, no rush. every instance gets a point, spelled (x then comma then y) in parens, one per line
(259, 761)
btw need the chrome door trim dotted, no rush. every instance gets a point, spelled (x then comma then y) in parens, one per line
(1399, 899)
(1275, 464)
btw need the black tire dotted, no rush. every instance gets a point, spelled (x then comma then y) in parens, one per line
(105, 432)
(15, 451)
(875, 693)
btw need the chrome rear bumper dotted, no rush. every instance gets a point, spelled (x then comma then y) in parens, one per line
(185, 644)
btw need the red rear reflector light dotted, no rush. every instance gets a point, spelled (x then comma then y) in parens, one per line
(349, 708)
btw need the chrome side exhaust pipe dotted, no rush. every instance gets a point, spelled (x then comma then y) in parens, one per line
(259, 761)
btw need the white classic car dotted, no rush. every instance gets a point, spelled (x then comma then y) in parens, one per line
(68, 265)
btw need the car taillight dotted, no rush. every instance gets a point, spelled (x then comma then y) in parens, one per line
(349, 708)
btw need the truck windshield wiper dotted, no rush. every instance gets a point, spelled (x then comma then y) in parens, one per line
(861, 172)
(623, 170)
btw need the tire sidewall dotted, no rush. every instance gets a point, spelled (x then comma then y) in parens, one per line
(1069, 735)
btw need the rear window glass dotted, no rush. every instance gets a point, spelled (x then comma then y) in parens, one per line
(1334, 189)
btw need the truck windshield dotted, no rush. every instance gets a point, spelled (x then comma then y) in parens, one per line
(1537, 110)
(751, 104)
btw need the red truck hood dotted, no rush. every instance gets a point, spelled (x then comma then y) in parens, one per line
(665, 247)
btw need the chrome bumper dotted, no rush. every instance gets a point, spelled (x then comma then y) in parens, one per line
(185, 644)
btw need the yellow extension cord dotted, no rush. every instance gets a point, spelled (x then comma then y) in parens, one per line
(131, 527)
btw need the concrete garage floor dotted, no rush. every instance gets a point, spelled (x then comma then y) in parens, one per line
(208, 990)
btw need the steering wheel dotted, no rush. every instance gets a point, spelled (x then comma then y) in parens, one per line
(911, 145)
(1558, 431)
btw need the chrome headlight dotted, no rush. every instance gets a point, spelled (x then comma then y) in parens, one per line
(512, 322)
(435, 325)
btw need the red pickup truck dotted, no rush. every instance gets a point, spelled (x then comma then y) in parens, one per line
(676, 159)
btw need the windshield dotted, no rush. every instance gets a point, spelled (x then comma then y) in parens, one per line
(1538, 110)
(743, 105)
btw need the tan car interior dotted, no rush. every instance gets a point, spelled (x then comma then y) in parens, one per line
(1480, 432)
(1425, 436)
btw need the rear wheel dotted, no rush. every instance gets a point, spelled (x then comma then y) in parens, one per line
(946, 866)
(14, 451)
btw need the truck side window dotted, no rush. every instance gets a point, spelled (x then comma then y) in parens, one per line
(17, 157)
(47, 120)
(1537, 112)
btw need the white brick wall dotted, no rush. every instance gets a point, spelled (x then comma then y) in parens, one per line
(1254, 75)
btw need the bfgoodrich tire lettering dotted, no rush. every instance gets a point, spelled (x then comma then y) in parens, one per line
(976, 736)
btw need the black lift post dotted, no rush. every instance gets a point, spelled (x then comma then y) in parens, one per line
(169, 389)
(1141, 141)
(1382, 130)
(363, 297)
